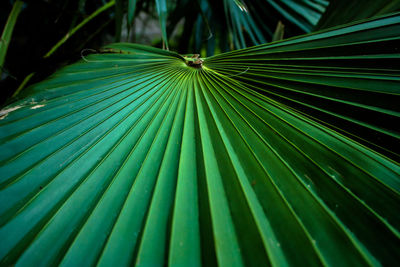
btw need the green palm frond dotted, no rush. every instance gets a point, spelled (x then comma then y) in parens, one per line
(345, 76)
(238, 19)
(134, 157)
(340, 12)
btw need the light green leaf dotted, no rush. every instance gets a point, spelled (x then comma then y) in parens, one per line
(240, 5)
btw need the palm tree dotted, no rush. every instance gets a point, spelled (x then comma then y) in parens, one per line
(285, 153)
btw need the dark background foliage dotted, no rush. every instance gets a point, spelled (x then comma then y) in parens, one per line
(39, 26)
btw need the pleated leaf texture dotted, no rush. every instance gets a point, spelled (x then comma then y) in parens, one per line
(132, 157)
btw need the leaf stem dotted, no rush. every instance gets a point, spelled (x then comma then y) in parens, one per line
(7, 32)
(77, 27)
(64, 39)
(24, 82)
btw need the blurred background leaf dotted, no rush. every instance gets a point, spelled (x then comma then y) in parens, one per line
(7, 31)
(342, 11)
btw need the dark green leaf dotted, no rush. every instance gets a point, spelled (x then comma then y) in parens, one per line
(345, 77)
(119, 13)
(7, 31)
(162, 16)
(303, 14)
(342, 11)
(131, 11)
(134, 157)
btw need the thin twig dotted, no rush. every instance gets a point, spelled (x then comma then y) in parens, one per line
(239, 73)
(80, 25)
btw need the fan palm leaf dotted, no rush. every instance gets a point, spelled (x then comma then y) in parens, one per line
(305, 14)
(134, 157)
(346, 76)
(341, 11)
